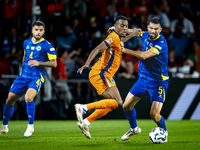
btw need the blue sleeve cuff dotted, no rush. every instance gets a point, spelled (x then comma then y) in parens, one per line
(106, 44)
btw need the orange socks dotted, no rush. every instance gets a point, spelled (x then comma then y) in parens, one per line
(103, 107)
(107, 103)
(98, 114)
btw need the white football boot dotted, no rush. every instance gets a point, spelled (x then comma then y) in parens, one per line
(29, 131)
(131, 132)
(79, 112)
(85, 129)
(4, 130)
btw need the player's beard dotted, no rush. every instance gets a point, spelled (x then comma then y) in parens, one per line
(153, 36)
(37, 38)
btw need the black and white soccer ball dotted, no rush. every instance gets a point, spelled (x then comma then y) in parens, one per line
(157, 135)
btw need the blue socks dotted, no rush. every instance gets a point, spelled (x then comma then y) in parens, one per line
(131, 116)
(7, 113)
(161, 123)
(30, 109)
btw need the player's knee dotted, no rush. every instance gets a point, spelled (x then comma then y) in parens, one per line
(127, 107)
(155, 116)
(28, 99)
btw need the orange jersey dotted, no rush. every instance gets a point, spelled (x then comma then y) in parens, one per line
(110, 60)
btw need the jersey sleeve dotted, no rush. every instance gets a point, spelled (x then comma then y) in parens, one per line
(160, 47)
(51, 53)
(142, 35)
(112, 40)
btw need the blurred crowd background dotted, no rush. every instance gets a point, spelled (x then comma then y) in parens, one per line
(75, 27)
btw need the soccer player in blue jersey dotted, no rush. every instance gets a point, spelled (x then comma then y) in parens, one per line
(153, 77)
(38, 53)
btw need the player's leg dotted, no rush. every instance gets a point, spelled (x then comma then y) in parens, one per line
(102, 107)
(30, 109)
(139, 90)
(157, 95)
(130, 112)
(8, 111)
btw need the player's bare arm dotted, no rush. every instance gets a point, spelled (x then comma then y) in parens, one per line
(100, 48)
(139, 54)
(132, 33)
(50, 63)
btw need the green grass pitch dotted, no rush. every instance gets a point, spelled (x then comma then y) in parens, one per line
(106, 135)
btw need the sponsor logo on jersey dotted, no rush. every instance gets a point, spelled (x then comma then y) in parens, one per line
(150, 44)
(109, 41)
(158, 47)
(38, 48)
(52, 49)
(32, 48)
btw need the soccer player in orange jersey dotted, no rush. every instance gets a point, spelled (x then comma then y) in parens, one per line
(101, 75)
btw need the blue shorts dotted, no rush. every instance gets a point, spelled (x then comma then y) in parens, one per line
(22, 83)
(155, 89)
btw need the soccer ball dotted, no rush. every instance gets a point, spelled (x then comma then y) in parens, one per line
(157, 135)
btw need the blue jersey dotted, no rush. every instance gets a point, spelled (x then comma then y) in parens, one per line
(40, 51)
(154, 68)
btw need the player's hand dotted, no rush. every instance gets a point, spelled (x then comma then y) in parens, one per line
(122, 45)
(136, 32)
(80, 70)
(111, 29)
(33, 63)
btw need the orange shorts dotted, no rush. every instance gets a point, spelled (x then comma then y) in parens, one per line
(100, 81)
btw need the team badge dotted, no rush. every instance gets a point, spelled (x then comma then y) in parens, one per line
(109, 41)
(38, 48)
(27, 47)
(112, 80)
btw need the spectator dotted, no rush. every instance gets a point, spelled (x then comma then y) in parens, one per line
(141, 8)
(171, 58)
(76, 8)
(60, 77)
(156, 12)
(55, 15)
(188, 27)
(124, 8)
(185, 6)
(179, 41)
(67, 38)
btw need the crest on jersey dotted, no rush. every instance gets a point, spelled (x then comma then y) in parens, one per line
(38, 48)
(109, 41)
(112, 80)
(27, 47)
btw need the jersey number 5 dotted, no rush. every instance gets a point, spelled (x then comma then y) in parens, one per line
(31, 55)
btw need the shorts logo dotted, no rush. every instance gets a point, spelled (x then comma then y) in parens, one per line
(109, 41)
(112, 80)
(38, 48)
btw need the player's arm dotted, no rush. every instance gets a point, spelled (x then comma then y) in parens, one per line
(50, 63)
(100, 48)
(139, 54)
(132, 33)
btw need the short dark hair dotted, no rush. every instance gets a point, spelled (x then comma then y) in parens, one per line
(38, 23)
(155, 21)
(120, 17)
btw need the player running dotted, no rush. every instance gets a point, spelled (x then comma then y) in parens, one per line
(101, 75)
(38, 53)
(153, 77)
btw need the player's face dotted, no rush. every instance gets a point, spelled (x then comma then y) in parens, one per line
(38, 32)
(121, 27)
(154, 30)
